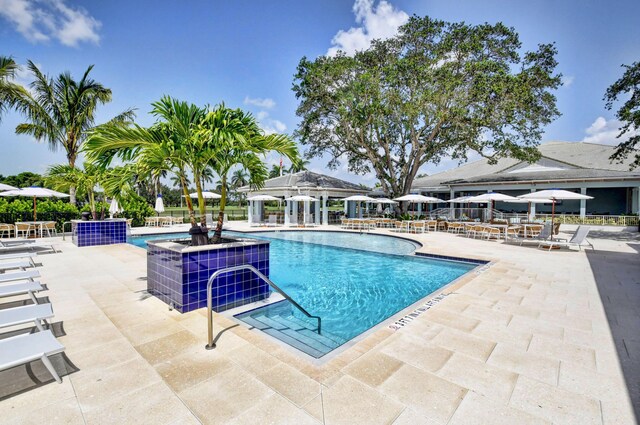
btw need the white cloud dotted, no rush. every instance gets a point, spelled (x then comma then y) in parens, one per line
(266, 103)
(270, 125)
(605, 132)
(42, 20)
(567, 80)
(379, 22)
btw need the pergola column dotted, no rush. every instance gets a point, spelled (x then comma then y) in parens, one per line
(325, 210)
(533, 207)
(452, 206)
(250, 212)
(287, 216)
(316, 214)
(294, 210)
(635, 207)
(583, 203)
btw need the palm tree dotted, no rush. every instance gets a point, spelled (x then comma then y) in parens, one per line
(275, 171)
(233, 138)
(239, 178)
(296, 167)
(85, 181)
(176, 181)
(9, 90)
(168, 145)
(62, 111)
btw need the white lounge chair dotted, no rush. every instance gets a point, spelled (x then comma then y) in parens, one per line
(24, 245)
(36, 313)
(14, 289)
(23, 275)
(20, 256)
(26, 348)
(578, 239)
(12, 265)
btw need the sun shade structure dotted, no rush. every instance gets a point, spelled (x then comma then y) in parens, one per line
(35, 192)
(418, 199)
(7, 187)
(359, 198)
(490, 197)
(555, 195)
(263, 198)
(460, 200)
(205, 195)
(385, 201)
(302, 198)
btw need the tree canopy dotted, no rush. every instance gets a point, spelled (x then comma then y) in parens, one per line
(435, 89)
(629, 112)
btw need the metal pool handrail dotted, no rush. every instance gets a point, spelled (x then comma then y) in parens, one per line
(210, 344)
(64, 224)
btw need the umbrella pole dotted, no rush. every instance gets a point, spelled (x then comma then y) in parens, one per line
(553, 214)
(35, 214)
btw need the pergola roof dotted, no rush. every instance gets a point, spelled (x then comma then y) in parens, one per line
(308, 183)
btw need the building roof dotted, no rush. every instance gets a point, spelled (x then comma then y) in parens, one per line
(563, 156)
(308, 180)
(575, 174)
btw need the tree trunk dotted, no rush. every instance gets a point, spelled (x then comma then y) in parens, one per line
(72, 189)
(217, 236)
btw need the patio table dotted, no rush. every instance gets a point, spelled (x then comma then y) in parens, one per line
(503, 228)
(38, 224)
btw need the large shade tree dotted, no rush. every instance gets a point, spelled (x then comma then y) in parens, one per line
(629, 113)
(62, 110)
(435, 89)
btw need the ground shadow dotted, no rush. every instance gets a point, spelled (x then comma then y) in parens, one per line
(217, 337)
(26, 377)
(617, 275)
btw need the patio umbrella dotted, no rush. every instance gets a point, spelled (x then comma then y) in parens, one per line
(381, 201)
(7, 187)
(490, 197)
(555, 195)
(262, 198)
(34, 192)
(205, 195)
(159, 204)
(418, 199)
(114, 207)
(530, 201)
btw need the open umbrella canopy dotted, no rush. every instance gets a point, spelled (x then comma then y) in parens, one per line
(385, 201)
(159, 204)
(34, 192)
(530, 201)
(205, 195)
(417, 199)
(303, 198)
(7, 187)
(460, 200)
(359, 198)
(555, 195)
(490, 197)
(262, 198)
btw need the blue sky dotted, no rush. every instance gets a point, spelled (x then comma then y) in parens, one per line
(245, 54)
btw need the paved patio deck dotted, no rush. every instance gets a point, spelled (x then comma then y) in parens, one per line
(538, 337)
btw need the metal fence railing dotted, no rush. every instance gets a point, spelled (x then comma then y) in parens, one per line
(602, 220)
(58, 217)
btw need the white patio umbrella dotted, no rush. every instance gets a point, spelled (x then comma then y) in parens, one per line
(385, 201)
(490, 198)
(205, 195)
(34, 192)
(460, 200)
(159, 204)
(418, 199)
(7, 187)
(114, 208)
(262, 198)
(555, 195)
(529, 202)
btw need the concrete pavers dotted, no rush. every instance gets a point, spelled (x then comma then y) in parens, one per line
(538, 337)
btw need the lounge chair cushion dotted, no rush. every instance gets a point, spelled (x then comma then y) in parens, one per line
(24, 348)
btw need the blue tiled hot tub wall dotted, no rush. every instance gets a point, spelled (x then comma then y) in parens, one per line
(181, 278)
(89, 233)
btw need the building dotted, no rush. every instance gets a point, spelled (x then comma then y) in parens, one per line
(319, 186)
(579, 167)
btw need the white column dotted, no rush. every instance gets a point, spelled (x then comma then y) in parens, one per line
(307, 208)
(294, 209)
(419, 209)
(635, 199)
(250, 212)
(325, 210)
(316, 214)
(287, 209)
(533, 208)
(452, 206)
(583, 203)
(346, 208)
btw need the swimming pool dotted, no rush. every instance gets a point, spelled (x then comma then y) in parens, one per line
(352, 281)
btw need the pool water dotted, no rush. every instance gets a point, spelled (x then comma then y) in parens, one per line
(352, 281)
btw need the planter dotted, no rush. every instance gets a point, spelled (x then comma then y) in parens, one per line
(99, 232)
(177, 273)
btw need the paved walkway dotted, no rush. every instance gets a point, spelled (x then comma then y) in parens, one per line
(535, 338)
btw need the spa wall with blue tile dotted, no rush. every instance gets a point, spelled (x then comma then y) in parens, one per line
(104, 232)
(180, 279)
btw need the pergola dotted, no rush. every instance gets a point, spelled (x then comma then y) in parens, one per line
(316, 185)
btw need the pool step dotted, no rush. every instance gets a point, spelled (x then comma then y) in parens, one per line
(278, 321)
